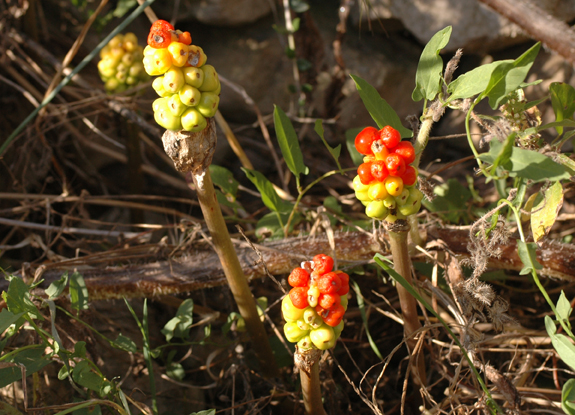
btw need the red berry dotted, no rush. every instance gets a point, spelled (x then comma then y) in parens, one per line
(299, 277)
(185, 38)
(328, 300)
(159, 38)
(298, 296)
(379, 170)
(344, 289)
(329, 283)
(364, 139)
(161, 24)
(410, 176)
(395, 165)
(390, 136)
(406, 151)
(364, 173)
(343, 277)
(334, 315)
(322, 264)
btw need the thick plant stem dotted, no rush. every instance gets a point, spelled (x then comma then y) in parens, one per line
(236, 279)
(308, 363)
(422, 139)
(398, 233)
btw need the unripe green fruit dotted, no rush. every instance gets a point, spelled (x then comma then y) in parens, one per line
(389, 202)
(289, 311)
(173, 80)
(208, 105)
(305, 343)
(375, 209)
(128, 59)
(131, 80)
(362, 196)
(137, 70)
(193, 121)
(165, 118)
(311, 317)
(402, 198)
(211, 80)
(358, 186)
(313, 296)
(303, 325)
(176, 106)
(343, 300)
(158, 85)
(157, 103)
(338, 329)
(112, 84)
(189, 95)
(293, 333)
(323, 337)
(121, 76)
(218, 89)
(193, 76)
(412, 204)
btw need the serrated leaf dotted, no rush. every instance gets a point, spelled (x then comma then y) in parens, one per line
(289, 143)
(266, 189)
(563, 102)
(473, 82)
(544, 215)
(378, 108)
(528, 256)
(224, 179)
(78, 292)
(568, 397)
(508, 76)
(527, 164)
(561, 343)
(430, 67)
(335, 152)
(125, 343)
(350, 135)
(563, 308)
(56, 288)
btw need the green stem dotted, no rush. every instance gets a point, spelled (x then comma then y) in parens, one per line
(234, 274)
(311, 389)
(422, 138)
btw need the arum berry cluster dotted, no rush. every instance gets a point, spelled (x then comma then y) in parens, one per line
(385, 181)
(315, 306)
(189, 89)
(120, 64)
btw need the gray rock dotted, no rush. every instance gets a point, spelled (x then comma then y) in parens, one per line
(475, 26)
(227, 12)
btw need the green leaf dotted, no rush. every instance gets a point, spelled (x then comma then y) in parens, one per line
(266, 189)
(175, 371)
(568, 397)
(563, 308)
(206, 412)
(56, 288)
(123, 7)
(179, 325)
(527, 164)
(269, 225)
(80, 350)
(566, 162)
(563, 102)
(545, 213)
(473, 82)
(224, 179)
(224, 201)
(84, 376)
(304, 65)
(508, 76)
(289, 143)
(451, 201)
(78, 292)
(335, 152)
(32, 359)
(7, 318)
(350, 135)
(527, 255)
(378, 108)
(18, 298)
(505, 152)
(6, 409)
(565, 349)
(428, 76)
(125, 343)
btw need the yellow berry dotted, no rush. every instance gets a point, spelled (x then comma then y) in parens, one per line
(289, 311)
(293, 333)
(193, 121)
(162, 60)
(196, 56)
(173, 80)
(358, 186)
(377, 191)
(394, 185)
(323, 337)
(179, 53)
(190, 95)
(193, 76)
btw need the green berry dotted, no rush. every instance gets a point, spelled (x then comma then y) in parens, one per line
(193, 121)
(165, 118)
(413, 203)
(293, 333)
(376, 209)
(158, 85)
(323, 337)
(338, 329)
(176, 106)
(173, 80)
(208, 105)
(193, 76)
(362, 196)
(311, 317)
(389, 202)
(358, 186)
(289, 311)
(303, 325)
(211, 80)
(189, 95)
(402, 198)
(305, 343)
